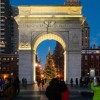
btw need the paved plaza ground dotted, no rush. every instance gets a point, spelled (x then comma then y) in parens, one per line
(33, 92)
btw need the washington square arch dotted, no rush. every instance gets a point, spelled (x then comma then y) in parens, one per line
(35, 24)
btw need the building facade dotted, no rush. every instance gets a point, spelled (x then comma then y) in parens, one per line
(6, 28)
(85, 35)
(90, 62)
(8, 65)
(8, 54)
(60, 23)
(27, 18)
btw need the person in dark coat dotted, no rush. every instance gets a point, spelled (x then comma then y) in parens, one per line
(23, 81)
(71, 82)
(76, 81)
(17, 85)
(42, 81)
(53, 90)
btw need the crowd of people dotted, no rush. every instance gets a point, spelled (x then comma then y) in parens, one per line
(56, 90)
(9, 88)
(82, 82)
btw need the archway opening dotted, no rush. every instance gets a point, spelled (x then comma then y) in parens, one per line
(58, 39)
(49, 60)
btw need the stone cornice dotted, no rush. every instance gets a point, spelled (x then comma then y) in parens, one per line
(33, 10)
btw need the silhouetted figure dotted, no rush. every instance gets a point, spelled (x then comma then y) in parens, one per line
(71, 82)
(81, 82)
(42, 81)
(38, 81)
(53, 90)
(17, 85)
(1, 84)
(64, 91)
(76, 81)
(23, 81)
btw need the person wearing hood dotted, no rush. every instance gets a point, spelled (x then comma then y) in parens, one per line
(95, 86)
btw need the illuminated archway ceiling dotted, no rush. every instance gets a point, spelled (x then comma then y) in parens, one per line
(49, 37)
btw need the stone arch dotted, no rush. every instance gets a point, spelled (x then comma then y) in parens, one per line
(49, 36)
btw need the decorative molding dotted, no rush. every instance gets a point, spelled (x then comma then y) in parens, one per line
(41, 25)
(50, 10)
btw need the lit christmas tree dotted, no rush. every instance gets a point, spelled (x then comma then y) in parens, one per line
(50, 71)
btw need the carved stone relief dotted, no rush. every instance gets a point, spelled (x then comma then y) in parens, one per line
(24, 40)
(42, 25)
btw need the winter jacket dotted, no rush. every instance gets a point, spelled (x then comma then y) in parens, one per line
(65, 95)
(96, 90)
(53, 93)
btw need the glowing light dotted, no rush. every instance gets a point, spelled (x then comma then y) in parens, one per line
(36, 64)
(42, 76)
(97, 51)
(5, 76)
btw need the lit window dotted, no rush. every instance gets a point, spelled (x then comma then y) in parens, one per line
(7, 58)
(12, 58)
(97, 51)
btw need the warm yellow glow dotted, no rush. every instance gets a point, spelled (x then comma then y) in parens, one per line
(24, 46)
(39, 65)
(42, 76)
(49, 37)
(97, 52)
(53, 16)
(2, 44)
(31, 10)
(36, 64)
(5, 76)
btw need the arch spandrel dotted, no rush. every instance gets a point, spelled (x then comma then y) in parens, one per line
(49, 36)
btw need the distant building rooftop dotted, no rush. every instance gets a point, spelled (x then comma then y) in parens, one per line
(72, 3)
